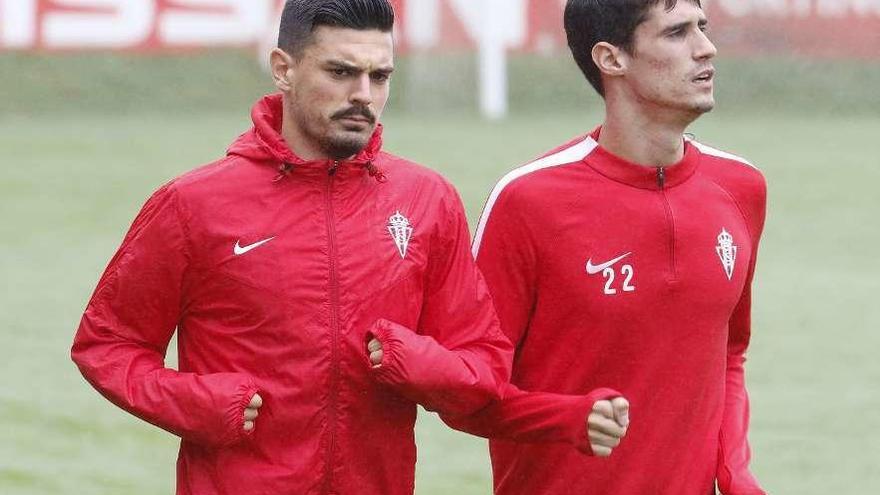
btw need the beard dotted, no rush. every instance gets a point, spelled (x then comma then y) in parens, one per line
(339, 140)
(342, 145)
(350, 141)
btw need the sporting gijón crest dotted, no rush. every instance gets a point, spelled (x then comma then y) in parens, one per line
(401, 232)
(726, 250)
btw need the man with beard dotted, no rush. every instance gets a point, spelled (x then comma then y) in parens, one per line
(625, 258)
(277, 265)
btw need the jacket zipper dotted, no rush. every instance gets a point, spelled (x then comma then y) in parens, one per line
(661, 183)
(334, 330)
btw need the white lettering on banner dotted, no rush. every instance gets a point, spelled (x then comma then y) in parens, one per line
(832, 8)
(18, 23)
(129, 23)
(867, 7)
(841, 8)
(801, 8)
(742, 8)
(423, 21)
(158, 25)
(796, 8)
(241, 22)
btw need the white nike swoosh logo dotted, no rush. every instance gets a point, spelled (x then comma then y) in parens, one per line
(594, 269)
(240, 250)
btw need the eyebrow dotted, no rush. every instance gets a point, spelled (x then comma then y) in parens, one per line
(341, 64)
(703, 22)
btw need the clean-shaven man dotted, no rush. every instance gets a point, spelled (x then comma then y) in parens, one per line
(625, 258)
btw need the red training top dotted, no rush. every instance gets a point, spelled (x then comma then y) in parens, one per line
(610, 274)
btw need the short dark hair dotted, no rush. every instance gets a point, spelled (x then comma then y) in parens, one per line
(300, 18)
(588, 22)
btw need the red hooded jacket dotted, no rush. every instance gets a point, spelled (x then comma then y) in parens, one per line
(275, 272)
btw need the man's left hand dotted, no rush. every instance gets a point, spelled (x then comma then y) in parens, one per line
(374, 348)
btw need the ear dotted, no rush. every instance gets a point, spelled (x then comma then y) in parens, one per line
(281, 65)
(610, 60)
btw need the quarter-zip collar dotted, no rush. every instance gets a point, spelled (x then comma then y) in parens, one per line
(264, 142)
(642, 176)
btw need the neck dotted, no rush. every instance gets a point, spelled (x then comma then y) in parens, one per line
(652, 139)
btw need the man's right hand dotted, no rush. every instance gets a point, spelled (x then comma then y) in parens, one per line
(252, 411)
(607, 424)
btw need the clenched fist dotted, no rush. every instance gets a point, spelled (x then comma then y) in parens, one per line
(252, 411)
(607, 424)
(374, 347)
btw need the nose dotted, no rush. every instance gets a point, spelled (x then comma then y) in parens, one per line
(705, 49)
(361, 93)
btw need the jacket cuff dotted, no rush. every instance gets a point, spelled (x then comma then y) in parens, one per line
(234, 416)
(580, 437)
(386, 370)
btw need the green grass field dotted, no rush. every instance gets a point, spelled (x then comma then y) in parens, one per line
(71, 181)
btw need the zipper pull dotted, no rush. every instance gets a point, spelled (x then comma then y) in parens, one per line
(376, 172)
(283, 171)
(661, 177)
(333, 167)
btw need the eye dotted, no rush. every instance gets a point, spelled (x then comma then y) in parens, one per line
(340, 72)
(381, 77)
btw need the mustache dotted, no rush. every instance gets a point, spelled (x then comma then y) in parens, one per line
(355, 112)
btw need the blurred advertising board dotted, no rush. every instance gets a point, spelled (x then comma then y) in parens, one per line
(824, 28)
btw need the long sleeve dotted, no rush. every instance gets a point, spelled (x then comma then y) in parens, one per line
(457, 360)
(505, 254)
(124, 333)
(733, 474)
(535, 417)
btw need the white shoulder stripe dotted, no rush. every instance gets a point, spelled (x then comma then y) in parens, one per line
(571, 154)
(722, 154)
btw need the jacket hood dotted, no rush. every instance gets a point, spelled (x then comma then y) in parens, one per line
(265, 143)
